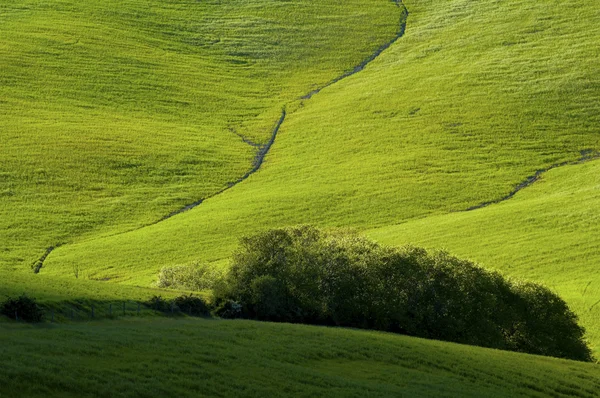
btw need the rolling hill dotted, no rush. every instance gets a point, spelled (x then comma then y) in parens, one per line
(549, 233)
(118, 114)
(470, 102)
(184, 358)
(473, 98)
(138, 135)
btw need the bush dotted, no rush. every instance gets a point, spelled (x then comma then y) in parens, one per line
(228, 309)
(545, 325)
(188, 304)
(305, 275)
(157, 303)
(191, 305)
(22, 308)
(188, 277)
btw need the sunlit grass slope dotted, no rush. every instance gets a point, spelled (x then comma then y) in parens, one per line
(549, 233)
(474, 98)
(50, 291)
(244, 359)
(115, 113)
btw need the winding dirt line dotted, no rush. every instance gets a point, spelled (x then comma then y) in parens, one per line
(370, 58)
(263, 150)
(245, 139)
(586, 156)
(258, 161)
(37, 265)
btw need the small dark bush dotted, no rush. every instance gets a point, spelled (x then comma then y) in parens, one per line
(305, 275)
(191, 305)
(228, 309)
(23, 308)
(187, 304)
(157, 303)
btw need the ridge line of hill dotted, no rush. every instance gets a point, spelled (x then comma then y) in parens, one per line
(264, 149)
(586, 156)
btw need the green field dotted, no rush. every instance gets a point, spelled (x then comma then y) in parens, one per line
(115, 115)
(130, 358)
(449, 117)
(549, 232)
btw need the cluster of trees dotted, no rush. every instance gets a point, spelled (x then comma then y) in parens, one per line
(305, 275)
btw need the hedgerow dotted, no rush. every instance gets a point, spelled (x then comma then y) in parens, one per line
(305, 275)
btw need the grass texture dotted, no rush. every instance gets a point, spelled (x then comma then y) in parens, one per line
(114, 114)
(549, 233)
(146, 358)
(473, 99)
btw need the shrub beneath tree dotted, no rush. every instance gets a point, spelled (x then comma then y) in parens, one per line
(187, 304)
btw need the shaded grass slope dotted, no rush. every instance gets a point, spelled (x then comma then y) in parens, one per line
(246, 359)
(114, 114)
(549, 233)
(475, 97)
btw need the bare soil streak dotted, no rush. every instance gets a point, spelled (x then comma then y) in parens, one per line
(244, 138)
(586, 156)
(258, 161)
(263, 149)
(37, 266)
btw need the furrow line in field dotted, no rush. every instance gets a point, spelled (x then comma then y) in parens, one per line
(586, 156)
(263, 150)
(257, 162)
(371, 57)
(37, 265)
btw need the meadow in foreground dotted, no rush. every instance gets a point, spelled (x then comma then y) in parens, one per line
(186, 357)
(124, 112)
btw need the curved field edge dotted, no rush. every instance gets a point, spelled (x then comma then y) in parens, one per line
(548, 233)
(262, 150)
(244, 358)
(456, 113)
(117, 113)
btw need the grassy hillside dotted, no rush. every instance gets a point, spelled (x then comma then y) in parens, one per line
(549, 232)
(114, 114)
(473, 99)
(241, 358)
(58, 290)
